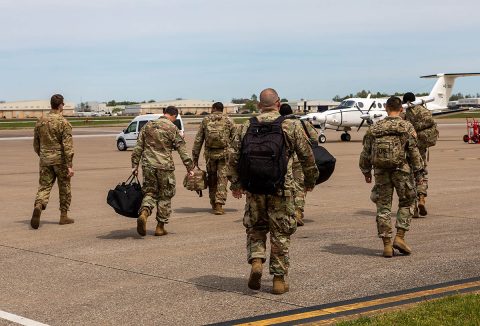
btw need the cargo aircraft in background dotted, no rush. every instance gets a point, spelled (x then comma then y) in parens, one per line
(354, 112)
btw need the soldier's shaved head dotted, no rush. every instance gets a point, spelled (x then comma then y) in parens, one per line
(269, 99)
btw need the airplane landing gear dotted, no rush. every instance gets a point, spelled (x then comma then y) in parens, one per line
(322, 138)
(345, 137)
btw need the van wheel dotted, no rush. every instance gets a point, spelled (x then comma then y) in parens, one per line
(121, 145)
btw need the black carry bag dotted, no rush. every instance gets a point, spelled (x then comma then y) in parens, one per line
(126, 198)
(323, 159)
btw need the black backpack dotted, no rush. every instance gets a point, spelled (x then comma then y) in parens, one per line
(263, 157)
(126, 198)
(323, 159)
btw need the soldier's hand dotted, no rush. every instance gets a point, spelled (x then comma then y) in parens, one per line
(70, 172)
(191, 173)
(237, 193)
(135, 170)
(368, 177)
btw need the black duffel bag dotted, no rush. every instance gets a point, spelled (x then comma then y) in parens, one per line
(323, 159)
(325, 163)
(126, 198)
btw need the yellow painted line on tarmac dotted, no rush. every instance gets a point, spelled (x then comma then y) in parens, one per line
(371, 303)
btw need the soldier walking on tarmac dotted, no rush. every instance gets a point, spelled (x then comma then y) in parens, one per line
(390, 147)
(260, 164)
(52, 141)
(312, 135)
(422, 120)
(155, 144)
(217, 131)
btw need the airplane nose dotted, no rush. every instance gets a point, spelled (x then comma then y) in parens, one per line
(331, 119)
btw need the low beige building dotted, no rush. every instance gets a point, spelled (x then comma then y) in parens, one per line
(184, 106)
(30, 109)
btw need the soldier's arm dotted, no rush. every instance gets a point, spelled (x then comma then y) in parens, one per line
(312, 133)
(413, 154)
(302, 148)
(233, 159)
(198, 143)
(67, 144)
(139, 147)
(365, 162)
(181, 148)
(36, 141)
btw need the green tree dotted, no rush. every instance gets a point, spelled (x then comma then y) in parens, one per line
(284, 100)
(254, 98)
(251, 106)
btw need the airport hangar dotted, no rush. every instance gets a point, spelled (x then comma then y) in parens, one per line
(31, 109)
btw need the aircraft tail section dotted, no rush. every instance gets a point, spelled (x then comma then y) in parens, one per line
(442, 90)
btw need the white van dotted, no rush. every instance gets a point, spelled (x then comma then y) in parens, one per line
(128, 137)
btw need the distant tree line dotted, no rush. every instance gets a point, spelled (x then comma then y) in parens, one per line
(251, 104)
(457, 96)
(115, 103)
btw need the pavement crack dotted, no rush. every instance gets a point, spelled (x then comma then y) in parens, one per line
(151, 275)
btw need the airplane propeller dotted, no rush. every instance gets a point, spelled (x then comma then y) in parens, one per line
(368, 111)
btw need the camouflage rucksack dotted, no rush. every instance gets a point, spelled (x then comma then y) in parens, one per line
(196, 182)
(388, 148)
(217, 130)
(425, 126)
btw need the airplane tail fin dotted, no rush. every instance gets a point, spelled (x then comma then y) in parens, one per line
(442, 90)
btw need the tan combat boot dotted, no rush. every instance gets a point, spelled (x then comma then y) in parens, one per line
(421, 205)
(218, 209)
(299, 217)
(387, 247)
(35, 221)
(280, 286)
(160, 230)
(142, 222)
(400, 244)
(255, 274)
(64, 219)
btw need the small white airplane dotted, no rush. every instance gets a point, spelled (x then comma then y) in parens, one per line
(353, 112)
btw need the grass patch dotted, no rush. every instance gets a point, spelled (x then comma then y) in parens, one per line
(462, 115)
(75, 122)
(453, 310)
(240, 120)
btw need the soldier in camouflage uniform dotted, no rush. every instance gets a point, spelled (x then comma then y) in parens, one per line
(272, 213)
(312, 135)
(418, 116)
(386, 180)
(52, 141)
(154, 147)
(217, 131)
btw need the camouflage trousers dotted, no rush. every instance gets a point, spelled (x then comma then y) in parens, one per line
(48, 175)
(423, 187)
(299, 191)
(274, 214)
(217, 180)
(382, 195)
(158, 190)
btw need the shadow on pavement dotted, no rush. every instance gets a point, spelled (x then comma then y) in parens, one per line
(215, 283)
(190, 210)
(122, 234)
(366, 212)
(42, 221)
(343, 249)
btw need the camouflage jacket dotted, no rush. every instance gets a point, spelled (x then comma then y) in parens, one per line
(312, 136)
(155, 144)
(228, 127)
(412, 157)
(52, 140)
(296, 142)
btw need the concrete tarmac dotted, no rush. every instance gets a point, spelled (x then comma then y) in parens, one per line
(98, 271)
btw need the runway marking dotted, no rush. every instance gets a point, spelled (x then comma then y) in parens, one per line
(19, 319)
(331, 312)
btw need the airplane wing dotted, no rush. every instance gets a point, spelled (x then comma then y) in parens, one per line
(439, 113)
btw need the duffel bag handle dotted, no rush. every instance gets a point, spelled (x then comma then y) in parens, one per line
(131, 178)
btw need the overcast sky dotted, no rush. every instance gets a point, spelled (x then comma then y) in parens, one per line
(219, 49)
